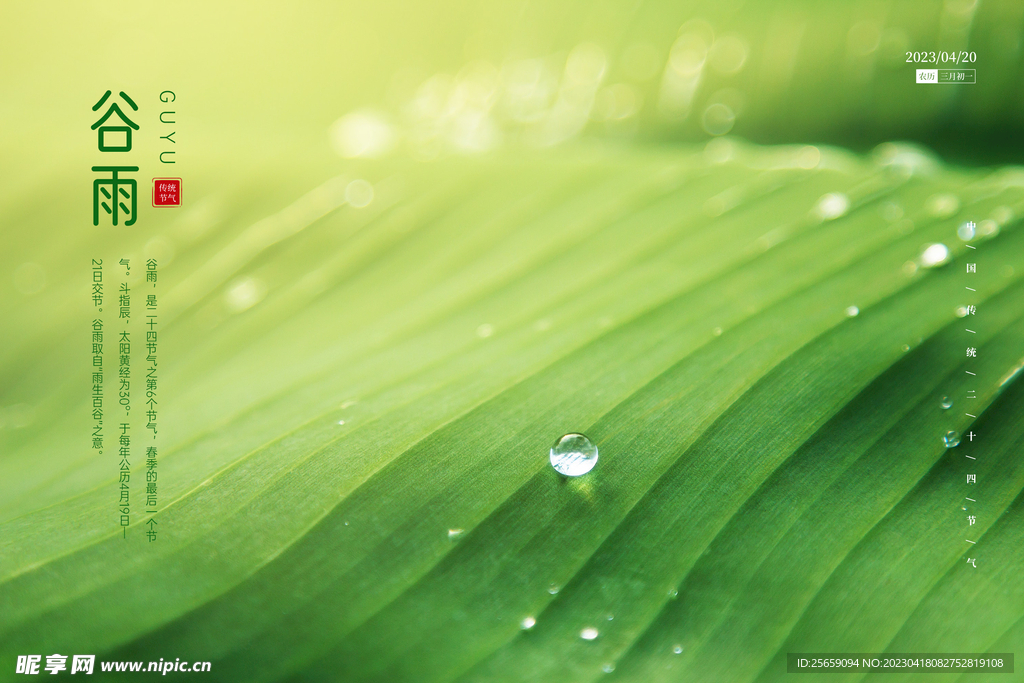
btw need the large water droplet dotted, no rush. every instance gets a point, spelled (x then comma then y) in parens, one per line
(588, 633)
(527, 623)
(678, 649)
(553, 589)
(573, 455)
(951, 439)
(946, 403)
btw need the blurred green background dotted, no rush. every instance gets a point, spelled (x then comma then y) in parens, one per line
(421, 241)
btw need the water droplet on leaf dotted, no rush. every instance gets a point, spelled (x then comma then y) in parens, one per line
(833, 205)
(946, 403)
(588, 633)
(942, 205)
(573, 455)
(951, 439)
(359, 193)
(553, 589)
(934, 255)
(527, 623)
(678, 649)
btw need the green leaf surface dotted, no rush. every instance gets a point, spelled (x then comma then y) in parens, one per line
(360, 400)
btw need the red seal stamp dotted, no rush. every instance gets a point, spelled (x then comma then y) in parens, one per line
(166, 191)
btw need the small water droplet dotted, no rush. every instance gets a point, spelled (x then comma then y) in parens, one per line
(455, 533)
(527, 623)
(717, 331)
(946, 403)
(341, 422)
(951, 439)
(961, 311)
(610, 617)
(359, 193)
(833, 205)
(852, 311)
(906, 347)
(718, 119)
(485, 331)
(934, 255)
(963, 508)
(607, 668)
(244, 293)
(573, 455)
(966, 231)
(678, 649)
(673, 594)
(553, 589)
(988, 228)
(892, 212)
(346, 523)
(588, 633)
(942, 205)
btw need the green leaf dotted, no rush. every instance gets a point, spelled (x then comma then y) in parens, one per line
(358, 405)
